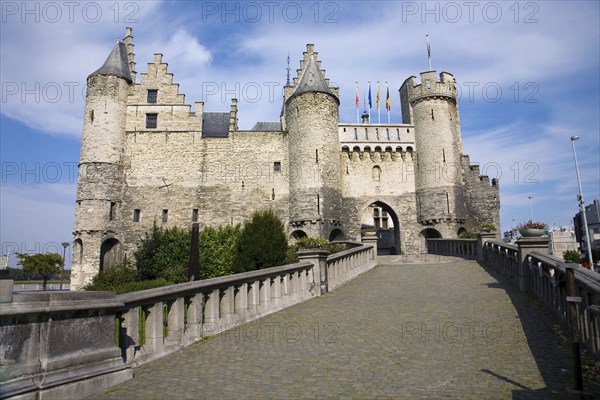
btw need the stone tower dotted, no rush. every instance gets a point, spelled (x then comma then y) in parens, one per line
(311, 118)
(432, 107)
(100, 184)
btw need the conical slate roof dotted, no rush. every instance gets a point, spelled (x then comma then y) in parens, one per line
(312, 79)
(117, 63)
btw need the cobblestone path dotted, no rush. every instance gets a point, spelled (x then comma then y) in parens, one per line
(452, 330)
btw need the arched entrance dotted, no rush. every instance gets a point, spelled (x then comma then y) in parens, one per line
(110, 253)
(297, 234)
(384, 220)
(428, 233)
(336, 234)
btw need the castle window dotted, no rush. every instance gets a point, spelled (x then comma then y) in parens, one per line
(111, 212)
(92, 116)
(151, 121)
(366, 134)
(277, 166)
(376, 173)
(317, 156)
(195, 215)
(355, 134)
(387, 133)
(136, 215)
(398, 133)
(152, 95)
(165, 216)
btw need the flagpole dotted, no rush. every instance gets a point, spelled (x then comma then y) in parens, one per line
(357, 118)
(378, 112)
(387, 101)
(428, 51)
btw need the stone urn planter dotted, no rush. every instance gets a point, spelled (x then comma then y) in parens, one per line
(369, 234)
(529, 232)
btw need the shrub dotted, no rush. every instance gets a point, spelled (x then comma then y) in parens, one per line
(164, 253)
(141, 285)
(218, 247)
(572, 256)
(467, 235)
(111, 278)
(488, 227)
(262, 243)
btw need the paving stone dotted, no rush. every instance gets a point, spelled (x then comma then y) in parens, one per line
(449, 330)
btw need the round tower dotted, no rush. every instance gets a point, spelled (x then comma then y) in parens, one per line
(432, 107)
(96, 244)
(311, 116)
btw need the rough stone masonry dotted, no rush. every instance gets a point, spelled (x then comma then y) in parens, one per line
(147, 157)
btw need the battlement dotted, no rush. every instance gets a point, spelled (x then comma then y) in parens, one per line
(430, 87)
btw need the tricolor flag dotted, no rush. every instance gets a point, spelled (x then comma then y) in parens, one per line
(370, 102)
(377, 98)
(357, 95)
(387, 99)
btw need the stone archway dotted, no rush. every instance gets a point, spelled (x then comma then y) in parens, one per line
(428, 233)
(383, 218)
(336, 234)
(110, 254)
(297, 234)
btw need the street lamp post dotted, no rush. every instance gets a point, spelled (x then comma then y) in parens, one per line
(530, 209)
(582, 206)
(62, 270)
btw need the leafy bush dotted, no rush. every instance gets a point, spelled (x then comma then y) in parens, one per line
(467, 235)
(111, 278)
(262, 243)
(218, 248)
(164, 253)
(312, 243)
(488, 227)
(572, 256)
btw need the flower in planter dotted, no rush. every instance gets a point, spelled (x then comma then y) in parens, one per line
(532, 225)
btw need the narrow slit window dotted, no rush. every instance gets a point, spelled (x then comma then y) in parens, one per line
(195, 215)
(111, 212)
(277, 166)
(136, 215)
(165, 216)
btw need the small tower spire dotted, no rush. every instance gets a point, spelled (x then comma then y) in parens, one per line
(428, 51)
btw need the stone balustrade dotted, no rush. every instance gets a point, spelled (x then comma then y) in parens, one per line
(63, 344)
(160, 321)
(465, 248)
(529, 266)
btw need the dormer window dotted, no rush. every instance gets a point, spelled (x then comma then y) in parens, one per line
(152, 95)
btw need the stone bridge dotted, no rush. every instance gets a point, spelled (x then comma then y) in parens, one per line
(485, 325)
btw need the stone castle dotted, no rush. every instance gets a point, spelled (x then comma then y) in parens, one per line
(147, 158)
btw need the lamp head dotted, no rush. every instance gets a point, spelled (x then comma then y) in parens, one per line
(65, 244)
(574, 138)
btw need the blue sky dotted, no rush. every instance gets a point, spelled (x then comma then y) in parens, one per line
(529, 75)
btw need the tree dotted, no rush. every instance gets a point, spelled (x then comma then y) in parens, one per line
(218, 248)
(164, 253)
(43, 264)
(262, 243)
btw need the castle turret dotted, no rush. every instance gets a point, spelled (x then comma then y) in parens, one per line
(311, 116)
(96, 244)
(432, 107)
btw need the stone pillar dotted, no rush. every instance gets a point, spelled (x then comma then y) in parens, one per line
(318, 258)
(528, 245)
(372, 240)
(483, 237)
(6, 287)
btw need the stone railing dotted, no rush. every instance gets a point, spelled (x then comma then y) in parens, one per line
(544, 276)
(59, 344)
(529, 265)
(465, 248)
(160, 321)
(62, 345)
